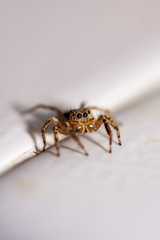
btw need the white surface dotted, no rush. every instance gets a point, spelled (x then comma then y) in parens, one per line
(22, 139)
(102, 196)
(61, 53)
(106, 53)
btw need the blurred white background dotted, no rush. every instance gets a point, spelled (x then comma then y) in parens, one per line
(106, 53)
(69, 51)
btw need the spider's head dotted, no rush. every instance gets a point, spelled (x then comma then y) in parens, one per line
(82, 115)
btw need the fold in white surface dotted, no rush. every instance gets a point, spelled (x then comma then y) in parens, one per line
(104, 53)
(100, 196)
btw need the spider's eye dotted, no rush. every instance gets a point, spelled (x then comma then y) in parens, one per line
(79, 115)
(89, 112)
(85, 115)
(72, 113)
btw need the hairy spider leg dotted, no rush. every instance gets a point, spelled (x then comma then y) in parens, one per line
(82, 105)
(79, 143)
(107, 120)
(107, 112)
(103, 119)
(108, 129)
(55, 131)
(43, 132)
(115, 126)
(57, 128)
(102, 110)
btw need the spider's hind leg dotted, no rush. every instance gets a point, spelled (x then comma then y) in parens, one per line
(102, 110)
(82, 105)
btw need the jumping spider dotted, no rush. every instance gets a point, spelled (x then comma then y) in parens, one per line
(78, 121)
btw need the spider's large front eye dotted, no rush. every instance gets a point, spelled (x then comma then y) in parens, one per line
(79, 115)
(85, 115)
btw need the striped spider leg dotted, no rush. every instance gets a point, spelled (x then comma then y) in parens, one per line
(107, 121)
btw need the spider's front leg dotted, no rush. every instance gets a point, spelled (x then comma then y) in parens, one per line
(55, 131)
(43, 132)
(115, 126)
(107, 120)
(98, 124)
(57, 128)
(106, 112)
(47, 123)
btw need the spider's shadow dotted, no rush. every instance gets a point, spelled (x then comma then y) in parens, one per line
(35, 120)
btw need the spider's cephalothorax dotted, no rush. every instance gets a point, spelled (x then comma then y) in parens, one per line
(78, 121)
(81, 120)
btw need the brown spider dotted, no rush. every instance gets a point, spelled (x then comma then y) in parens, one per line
(77, 121)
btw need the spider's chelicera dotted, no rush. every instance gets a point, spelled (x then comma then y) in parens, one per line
(76, 122)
